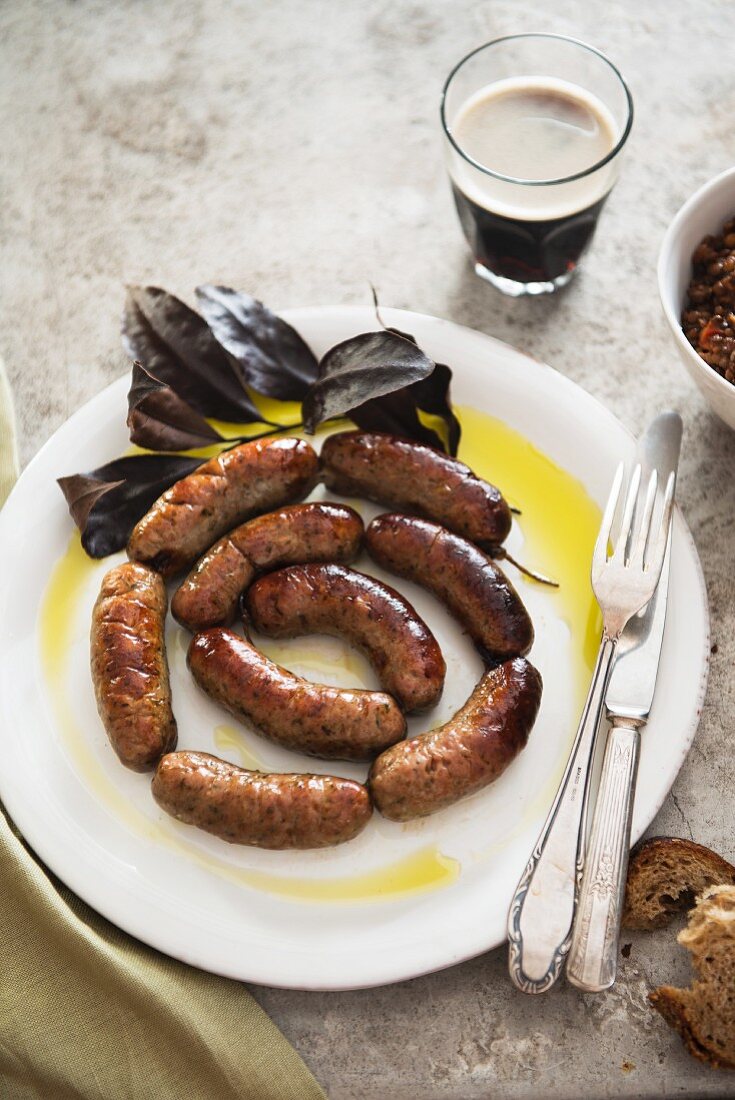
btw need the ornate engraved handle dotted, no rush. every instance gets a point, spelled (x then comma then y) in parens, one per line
(542, 910)
(593, 955)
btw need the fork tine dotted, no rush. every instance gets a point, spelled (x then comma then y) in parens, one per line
(603, 538)
(638, 550)
(630, 503)
(655, 556)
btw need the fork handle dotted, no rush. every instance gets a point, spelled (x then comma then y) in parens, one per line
(593, 955)
(542, 910)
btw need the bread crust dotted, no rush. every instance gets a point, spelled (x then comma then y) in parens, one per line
(703, 1014)
(665, 874)
(668, 1000)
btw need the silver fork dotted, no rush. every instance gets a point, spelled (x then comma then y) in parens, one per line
(542, 911)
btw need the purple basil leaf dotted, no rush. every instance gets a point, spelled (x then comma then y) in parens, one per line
(161, 420)
(82, 491)
(361, 369)
(106, 503)
(177, 347)
(397, 412)
(272, 357)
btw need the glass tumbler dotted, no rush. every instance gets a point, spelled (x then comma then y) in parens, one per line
(533, 126)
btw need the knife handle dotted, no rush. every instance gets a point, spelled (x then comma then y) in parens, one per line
(542, 909)
(593, 955)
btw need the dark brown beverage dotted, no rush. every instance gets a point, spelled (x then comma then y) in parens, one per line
(526, 251)
(518, 137)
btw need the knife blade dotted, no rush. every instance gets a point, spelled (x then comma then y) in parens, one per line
(592, 960)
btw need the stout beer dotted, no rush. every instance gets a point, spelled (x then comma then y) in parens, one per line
(531, 177)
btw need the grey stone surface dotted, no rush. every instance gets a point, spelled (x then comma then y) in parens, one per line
(292, 149)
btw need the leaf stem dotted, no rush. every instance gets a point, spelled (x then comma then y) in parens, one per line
(503, 554)
(234, 441)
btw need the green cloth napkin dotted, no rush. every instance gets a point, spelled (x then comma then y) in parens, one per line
(88, 1013)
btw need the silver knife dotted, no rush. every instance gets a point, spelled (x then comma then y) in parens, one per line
(592, 960)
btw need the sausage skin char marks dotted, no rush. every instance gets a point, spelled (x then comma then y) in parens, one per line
(329, 599)
(471, 586)
(255, 808)
(129, 666)
(316, 719)
(412, 477)
(297, 533)
(235, 485)
(427, 773)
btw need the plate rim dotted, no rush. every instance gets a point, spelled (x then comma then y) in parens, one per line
(36, 839)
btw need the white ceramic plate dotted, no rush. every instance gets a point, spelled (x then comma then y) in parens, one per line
(227, 909)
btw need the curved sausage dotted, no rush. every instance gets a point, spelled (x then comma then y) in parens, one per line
(432, 771)
(129, 667)
(254, 477)
(474, 589)
(329, 599)
(313, 718)
(300, 532)
(415, 478)
(264, 811)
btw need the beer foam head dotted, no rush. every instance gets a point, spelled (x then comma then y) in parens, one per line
(533, 129)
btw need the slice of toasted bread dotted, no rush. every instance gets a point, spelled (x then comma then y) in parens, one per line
(704, 1014)
(665, 875)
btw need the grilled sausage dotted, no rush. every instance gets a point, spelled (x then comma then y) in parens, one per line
(312, 718)
(300, 532)
(412, 477)
(429, 772)
(231, 487)
(264, 811)
(329, 599)
(474, 589)
(129, 667)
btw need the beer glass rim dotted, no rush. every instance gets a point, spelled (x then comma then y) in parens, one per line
(518, 179)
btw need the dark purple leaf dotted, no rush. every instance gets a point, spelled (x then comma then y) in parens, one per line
(176, 346)
(361, 369)
(106, 503)
(397, 412)
(82, 491)
(161, 420)
(272, 357)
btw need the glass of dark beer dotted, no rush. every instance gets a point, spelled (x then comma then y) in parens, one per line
(534, 127)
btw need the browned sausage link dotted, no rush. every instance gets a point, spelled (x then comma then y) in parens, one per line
(329, 599)
(129, 667)
(313, 718)
(474, 589)
(255, 808)
(429, 772)
(300, 532)
(231, 487)
(415, 478)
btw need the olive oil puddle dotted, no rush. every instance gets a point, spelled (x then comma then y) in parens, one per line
(231, 743)
(559, 524)
(424, 870)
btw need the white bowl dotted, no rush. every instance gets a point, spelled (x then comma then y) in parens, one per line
(705, 212)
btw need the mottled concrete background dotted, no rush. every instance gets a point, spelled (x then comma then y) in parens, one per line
(291, 149)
